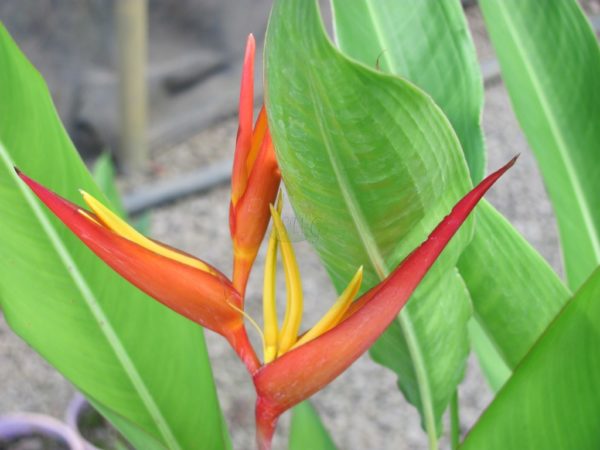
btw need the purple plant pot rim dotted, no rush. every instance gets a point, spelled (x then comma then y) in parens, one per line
(17, 425)
(76, 407)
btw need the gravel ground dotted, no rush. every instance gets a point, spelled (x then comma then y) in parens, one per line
(362, 408)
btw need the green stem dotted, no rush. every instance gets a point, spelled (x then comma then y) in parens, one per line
(454, 422)
(421, 374)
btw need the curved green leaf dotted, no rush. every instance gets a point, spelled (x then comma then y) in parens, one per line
(371, 165)
(550, 62)
(143, 365)
(307, 431)
(515, 292)
(494, 368)
(427, 42)
(443, 298)
(552, 400)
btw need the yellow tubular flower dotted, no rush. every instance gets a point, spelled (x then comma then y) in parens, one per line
(120, 227)
(294, 303)
(271, 329)
(336, 312)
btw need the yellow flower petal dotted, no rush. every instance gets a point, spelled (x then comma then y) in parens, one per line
(271, 328)
(123, 229)
(294, 302)
(336, 312)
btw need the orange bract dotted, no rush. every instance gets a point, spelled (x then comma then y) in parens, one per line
(255, 178)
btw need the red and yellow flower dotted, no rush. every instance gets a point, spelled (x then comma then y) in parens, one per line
(294, 366)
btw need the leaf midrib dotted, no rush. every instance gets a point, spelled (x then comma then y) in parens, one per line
(96, 309)
(555, 130)
(378, 262)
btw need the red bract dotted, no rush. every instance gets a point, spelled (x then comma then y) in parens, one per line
(300, 373)
(206, 297)
(254, 181)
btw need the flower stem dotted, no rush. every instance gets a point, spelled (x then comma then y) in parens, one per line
(241, 344)
(266, 421)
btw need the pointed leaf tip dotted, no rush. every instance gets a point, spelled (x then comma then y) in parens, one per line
(298, 374)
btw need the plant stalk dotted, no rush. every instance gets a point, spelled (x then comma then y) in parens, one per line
(239, 341)
(266, 421)
(454, 421)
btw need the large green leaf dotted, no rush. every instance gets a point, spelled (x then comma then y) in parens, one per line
(441, 299)
(494, 368)
(307, 431)
(550, 63)
(515, 292)
(371, 164)
(145, 367)
(552, 400)
(427, 42)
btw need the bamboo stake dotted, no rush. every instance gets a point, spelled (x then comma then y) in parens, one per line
(132, 38)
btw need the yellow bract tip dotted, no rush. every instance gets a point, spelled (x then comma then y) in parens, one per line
(113, 222)
(336, 312)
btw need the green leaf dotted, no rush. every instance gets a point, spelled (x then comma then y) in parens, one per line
(427, 42)
(494, 368)
(135, 435)
(428, 309)
(307, 431)
(552, 400)
(515, 292)
(550, 63)
(371, 165)
(143, 365)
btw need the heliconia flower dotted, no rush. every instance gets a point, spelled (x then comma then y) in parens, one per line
(295, 365)
(314, 361)
(187, 285)
(279, 341)
(255, 178)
